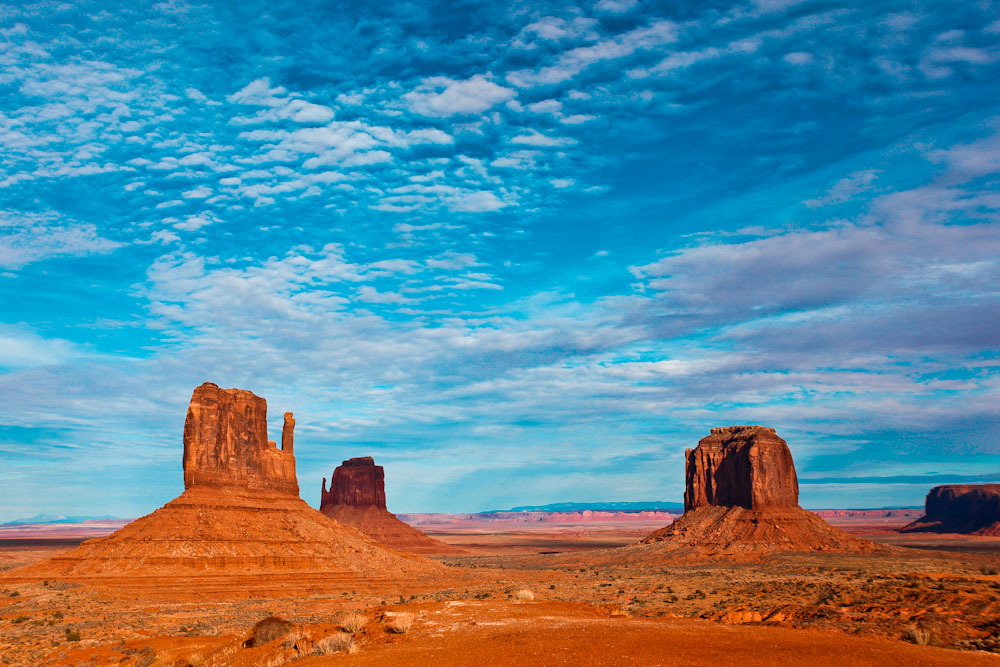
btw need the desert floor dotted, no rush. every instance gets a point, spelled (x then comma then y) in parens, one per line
(931, 600)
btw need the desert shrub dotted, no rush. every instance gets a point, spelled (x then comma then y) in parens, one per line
(400, 624)
(989, 570)
(340, 641)
(269, 629)
(15, 594)
(525, 595)
(72, 635)
(919, 636)
(20, 619)
(353, 623)
(57, 614)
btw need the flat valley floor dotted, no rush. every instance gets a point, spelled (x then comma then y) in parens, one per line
(929, 600)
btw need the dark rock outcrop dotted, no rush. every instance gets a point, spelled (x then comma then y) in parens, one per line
(960, 508)
(225, 443)
(356, 482)
(740, 466)
(357, 498)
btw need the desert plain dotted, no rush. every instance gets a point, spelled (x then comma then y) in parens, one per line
(240, 570)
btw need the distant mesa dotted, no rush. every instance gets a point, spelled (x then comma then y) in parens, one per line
(742, 496)
(356, 482)
(357, 498)
(960, 508)
(240, 517)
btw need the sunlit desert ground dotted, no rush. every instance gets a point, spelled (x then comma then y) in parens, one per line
(927, 601)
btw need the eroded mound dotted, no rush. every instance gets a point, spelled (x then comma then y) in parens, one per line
(737, 530)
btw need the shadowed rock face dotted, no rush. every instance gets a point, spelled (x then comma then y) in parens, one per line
(740, 466)
(356, 482)
(357, 498)
(225, 443)
(961, 508)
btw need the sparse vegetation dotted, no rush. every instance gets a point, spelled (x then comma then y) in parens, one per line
(340, 641)
(524, 595)
(919, 636)
(20, 619)
(15, 594)
(400, 624)
(269, 629)
(353, 623)
(72, 635)
(989, 570)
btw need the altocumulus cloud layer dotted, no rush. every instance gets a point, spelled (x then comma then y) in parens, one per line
(520, 252)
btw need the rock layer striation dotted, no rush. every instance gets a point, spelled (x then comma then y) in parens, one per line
(960, 508)
(357, 498)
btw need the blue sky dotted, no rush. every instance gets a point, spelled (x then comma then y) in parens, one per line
(519, 252)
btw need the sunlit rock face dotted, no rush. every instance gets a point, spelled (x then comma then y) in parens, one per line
(225, 443)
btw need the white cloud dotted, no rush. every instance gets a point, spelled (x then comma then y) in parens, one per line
(574, 61)
(847, 188)
(535, 138)
(26, 238)
(440, 96)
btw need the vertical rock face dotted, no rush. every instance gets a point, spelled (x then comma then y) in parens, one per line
(740, 466)
(742, 500)
(356, 482)
(961, 508)
(357, 498)
(225, 443)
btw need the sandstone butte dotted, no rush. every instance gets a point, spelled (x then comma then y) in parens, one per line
(238, 525)
(742, 496)
(960, 508)
(357, 498)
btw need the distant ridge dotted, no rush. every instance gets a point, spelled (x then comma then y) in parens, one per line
(55, 518)
(640, 506)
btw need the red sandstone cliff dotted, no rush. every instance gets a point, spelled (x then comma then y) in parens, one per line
(225, 443)
(960, 508)
(740, 466)
(356, 482)
(741, 497)
(239, 523)
(357, 498)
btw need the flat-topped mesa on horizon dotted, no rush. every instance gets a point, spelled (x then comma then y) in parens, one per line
(742, 497)
(356, 482)
(960, 508)
(225, 443)
(357, 498)
(740, 466)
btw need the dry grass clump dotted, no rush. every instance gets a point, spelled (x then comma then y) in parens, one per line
(525, 595)
(269, 629)
(340, 641)
(919, 636)
(353, 623)
(400, 624)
